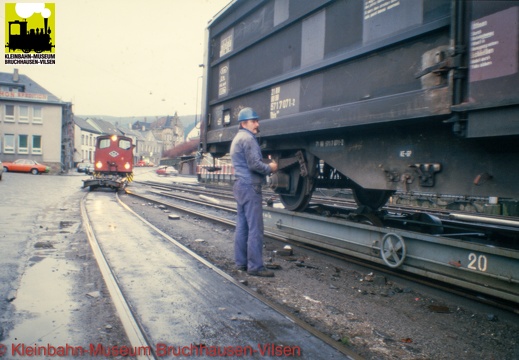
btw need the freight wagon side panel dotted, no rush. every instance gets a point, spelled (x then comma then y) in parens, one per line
(393, 95)
(308, 66)
(493, 81)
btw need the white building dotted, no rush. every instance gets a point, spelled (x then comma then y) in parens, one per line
(31, 122)
(85, 136)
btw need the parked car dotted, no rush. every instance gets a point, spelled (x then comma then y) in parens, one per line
(25, 165)
(142, 163)
(85, 167)
(167, 170)
(1, 169)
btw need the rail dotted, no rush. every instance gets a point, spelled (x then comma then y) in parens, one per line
(487, 270)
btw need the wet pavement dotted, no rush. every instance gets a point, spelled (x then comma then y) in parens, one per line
(54, 295)
(187, 304)
(46, 268)
(27, 248)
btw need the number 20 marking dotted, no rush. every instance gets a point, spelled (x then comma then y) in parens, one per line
(477, 262)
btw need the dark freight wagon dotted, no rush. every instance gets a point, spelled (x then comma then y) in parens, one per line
(380, 96)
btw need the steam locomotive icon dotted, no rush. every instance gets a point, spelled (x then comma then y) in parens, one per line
(37, 40)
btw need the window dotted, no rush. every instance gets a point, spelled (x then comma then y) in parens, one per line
(9, 144)
(9, 113)
(24, 114)
(23, 144)
(37, 115)
(124, 144)
(104, 143)
(36, 144)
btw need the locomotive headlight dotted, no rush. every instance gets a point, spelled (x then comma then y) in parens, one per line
(99, 165)
(127, 166)
(114, 138)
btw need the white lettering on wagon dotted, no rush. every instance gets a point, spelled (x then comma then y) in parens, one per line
(478, 262)
(329, 143)
(284, 99)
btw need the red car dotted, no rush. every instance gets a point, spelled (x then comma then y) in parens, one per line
(25, 165)
(167, 170)
(142, 163)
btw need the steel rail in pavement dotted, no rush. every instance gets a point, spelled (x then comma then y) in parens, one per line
(135, 333)
(334, 344)
(451, 261)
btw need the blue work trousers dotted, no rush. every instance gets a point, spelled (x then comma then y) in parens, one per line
(248, 239)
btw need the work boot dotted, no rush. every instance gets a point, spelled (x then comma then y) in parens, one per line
(262, 272)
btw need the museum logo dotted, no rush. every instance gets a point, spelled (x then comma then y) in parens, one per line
(30, 33)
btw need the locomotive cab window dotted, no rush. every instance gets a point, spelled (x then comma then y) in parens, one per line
(104, 143)
(125, 144)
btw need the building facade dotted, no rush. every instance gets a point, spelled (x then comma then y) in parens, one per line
(31, 122)
(169, 131)
(150, 148)
(85, 136)
(36, 125)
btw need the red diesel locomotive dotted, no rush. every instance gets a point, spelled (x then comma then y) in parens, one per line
(113, 163)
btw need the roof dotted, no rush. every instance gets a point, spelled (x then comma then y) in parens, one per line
(130, 132)
(99, 126)
(167, 122)
(141, 125)
(84, 125)
(103, 126)
(150, 136)
(26, 85)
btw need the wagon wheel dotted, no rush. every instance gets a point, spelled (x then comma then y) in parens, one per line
(374, 199)
(299, 201)
(393, 250)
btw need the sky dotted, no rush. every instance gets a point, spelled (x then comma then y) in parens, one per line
(126, 57)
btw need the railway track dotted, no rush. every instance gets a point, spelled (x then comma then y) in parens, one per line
(459, 220)
(472, 269)
(134, 330)
(502, 231)
(152, 312)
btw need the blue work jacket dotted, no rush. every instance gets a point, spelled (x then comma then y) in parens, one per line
(247, 159)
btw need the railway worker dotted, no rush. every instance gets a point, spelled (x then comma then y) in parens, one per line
(250, 172)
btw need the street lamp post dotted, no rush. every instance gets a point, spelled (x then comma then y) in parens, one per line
(197, 90)
(196, 101)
